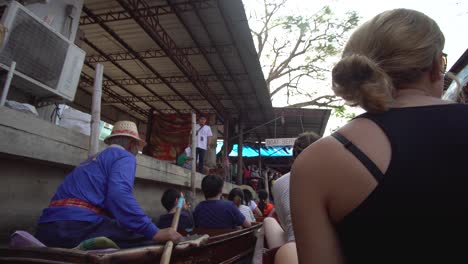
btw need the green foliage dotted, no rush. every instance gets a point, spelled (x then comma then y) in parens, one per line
(341, 112)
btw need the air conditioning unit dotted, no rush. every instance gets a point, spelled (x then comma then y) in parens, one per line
(62, 15)
(47, 63)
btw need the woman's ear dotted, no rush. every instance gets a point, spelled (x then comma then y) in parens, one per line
(437, 71)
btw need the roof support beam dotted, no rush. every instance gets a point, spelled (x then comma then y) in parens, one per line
(159, 53)
(89, 43)
(171, 98)
(111, 94)
(153, 99)
(171, 111)
(158, 10)
(205, 56)
(85, 107)
(149, 22)
(182, 79)
(134, 53)
(121, 87)
(226, 25)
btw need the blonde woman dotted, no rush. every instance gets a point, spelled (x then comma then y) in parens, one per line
(390, 186)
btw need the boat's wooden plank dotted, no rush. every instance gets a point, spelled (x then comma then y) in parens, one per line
(47, 255)
(32, 261)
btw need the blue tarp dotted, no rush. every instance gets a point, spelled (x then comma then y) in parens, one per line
(249, 152)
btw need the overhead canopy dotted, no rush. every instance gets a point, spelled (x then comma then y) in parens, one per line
(296, 121)
(174, 56)
(250, 151)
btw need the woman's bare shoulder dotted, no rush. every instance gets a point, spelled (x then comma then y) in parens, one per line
(327, 166)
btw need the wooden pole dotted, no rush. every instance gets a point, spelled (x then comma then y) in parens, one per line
(267, 187)
(259, 157)
(226, 149)
(149, 130)
(6, 87)
(166, 255)
(194, 154)
(96, 111)
(239, 155)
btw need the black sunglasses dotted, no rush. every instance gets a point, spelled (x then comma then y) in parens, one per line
(444, 62)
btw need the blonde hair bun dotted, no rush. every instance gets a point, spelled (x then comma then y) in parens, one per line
(360, 81)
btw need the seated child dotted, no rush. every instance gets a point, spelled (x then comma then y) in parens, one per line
(249, 201)
(237, 197)
(215, 213)
(185, 159)
(264, 206)
(169, 200)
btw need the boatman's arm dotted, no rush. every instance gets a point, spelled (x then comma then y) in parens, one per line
(123, 206)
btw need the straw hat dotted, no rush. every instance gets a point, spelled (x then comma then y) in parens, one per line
(125, 128)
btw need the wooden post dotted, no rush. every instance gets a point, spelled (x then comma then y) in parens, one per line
(194, 154)
(240, 164)
(210, 154)
(226, 149)
(259, 157)
(267, 188)
(149, 130)
(6, 87)
(96, 111)
(260, 173)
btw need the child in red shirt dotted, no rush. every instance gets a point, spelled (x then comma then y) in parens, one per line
(264, 206)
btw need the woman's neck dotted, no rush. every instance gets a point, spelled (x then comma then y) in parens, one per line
(411, 91)
(415, 97)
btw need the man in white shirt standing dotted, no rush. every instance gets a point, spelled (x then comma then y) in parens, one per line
(204, 135)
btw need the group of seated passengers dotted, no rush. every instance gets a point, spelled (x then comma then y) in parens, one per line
(213, 213)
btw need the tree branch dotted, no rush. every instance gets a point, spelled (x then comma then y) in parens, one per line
(329, 100)
(279, 88)
(292, 47)
(292, 54)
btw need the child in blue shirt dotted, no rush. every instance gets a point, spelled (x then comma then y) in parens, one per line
(215, 213)
(169, 200)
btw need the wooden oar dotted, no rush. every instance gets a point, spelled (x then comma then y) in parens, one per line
(166, 255)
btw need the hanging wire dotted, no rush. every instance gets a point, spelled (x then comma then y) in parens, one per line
(55, 113)
(275, 125)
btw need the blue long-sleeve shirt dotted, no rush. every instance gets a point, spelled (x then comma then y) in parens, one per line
(105, 181)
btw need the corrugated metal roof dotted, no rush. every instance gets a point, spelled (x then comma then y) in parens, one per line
(229, 68)
(206, 60)
(296, 121)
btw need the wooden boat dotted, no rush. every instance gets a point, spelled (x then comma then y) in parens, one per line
(223, 246)
(259, 219)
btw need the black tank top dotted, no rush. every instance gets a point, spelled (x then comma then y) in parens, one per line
(418, 212)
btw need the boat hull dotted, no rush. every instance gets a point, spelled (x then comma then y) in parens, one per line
(232, 247)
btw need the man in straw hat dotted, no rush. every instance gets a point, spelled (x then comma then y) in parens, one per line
(96, 199)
